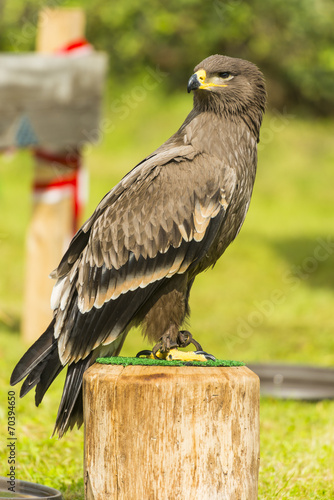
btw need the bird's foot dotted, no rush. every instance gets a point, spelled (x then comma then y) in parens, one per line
(166, 349)
(185, 338)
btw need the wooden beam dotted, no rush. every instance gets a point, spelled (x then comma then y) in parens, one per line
(170, 433)
(51, 101)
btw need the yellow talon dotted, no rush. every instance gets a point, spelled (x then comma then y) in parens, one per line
(158, 355)
(176, 355)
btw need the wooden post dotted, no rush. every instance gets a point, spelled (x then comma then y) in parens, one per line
(171, 433)
(51, 225)
(57, 27)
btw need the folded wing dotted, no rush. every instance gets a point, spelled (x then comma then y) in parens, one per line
(159, 221)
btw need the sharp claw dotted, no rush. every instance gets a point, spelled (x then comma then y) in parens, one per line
(207, 355)
(156, 348)
(186, 338)
(151, 354)
(143, 353)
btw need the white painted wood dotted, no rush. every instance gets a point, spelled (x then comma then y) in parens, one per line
(60, 97)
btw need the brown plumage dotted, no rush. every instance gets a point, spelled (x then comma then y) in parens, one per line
(171, 217)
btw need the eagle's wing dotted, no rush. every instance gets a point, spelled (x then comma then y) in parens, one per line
(160, 220)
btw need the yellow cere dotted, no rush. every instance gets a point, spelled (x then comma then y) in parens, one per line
(201, 75)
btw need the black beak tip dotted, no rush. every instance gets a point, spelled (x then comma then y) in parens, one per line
(193, 83)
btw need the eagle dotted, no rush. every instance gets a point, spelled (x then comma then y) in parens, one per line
(134, 261)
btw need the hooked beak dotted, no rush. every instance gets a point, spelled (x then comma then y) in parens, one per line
(193, 83)
(196, 80)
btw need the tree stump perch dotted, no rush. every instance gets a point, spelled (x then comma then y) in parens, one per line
(156, 432)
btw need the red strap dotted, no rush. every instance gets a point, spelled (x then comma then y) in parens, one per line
(71, 160)
(76, 44)
(74, 163)
(60, 182)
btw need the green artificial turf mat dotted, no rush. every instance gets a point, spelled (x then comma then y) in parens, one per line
(119, 360)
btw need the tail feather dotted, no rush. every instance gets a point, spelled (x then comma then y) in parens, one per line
(71, 394)
(76, 416)
(33, 378)
(54, 367)
(70, 411)
(41, 365)
(36, 354)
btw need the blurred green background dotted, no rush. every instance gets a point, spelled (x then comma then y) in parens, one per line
(271, 296)
(292, 41)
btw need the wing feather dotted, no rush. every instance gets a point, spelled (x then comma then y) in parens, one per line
(156, 223)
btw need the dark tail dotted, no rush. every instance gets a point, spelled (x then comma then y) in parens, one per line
(70, 411)
(33, 362)
(41, 365)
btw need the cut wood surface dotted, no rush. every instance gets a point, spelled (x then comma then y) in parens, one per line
(156, 432)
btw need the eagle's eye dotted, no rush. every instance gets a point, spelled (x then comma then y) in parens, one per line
(225, 75)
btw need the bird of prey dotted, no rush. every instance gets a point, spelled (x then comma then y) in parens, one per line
(171, 217)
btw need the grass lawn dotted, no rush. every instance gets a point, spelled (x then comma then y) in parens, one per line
(270, 298)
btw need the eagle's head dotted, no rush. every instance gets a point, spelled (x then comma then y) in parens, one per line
(229, 86)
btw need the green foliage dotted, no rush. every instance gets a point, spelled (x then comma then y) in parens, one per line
(292, 42)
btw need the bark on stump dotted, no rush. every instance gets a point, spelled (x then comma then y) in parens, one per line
(176, 433)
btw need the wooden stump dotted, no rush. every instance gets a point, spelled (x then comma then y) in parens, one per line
(172, 433)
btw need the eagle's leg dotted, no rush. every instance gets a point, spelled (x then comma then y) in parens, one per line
(166, 348)
(183, 339)
(166, 342)
(162, 321)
